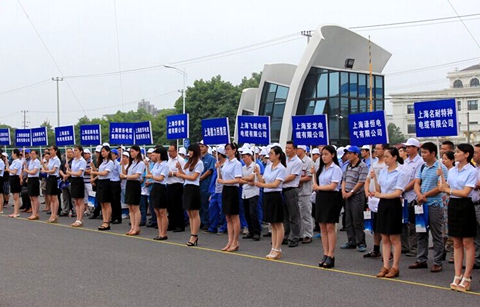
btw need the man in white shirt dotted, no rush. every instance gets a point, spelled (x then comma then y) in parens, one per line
(292, 220)
(304, 193)
(176, 220)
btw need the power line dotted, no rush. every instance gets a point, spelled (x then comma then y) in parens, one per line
(468, 30)
(26, 87)
(398, 73)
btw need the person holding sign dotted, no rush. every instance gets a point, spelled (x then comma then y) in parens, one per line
(389, 188)
(133, 191)
(33, 172)
(76, 173)
(230, 176)
(52, 169)
(104, 190)
(328, 202)
(191, 191)
(15, 185)
(272, 182)
(461, 214)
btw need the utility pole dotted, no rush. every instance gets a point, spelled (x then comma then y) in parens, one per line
(308, 34)
(468, 127)
(58, 100)
(25, 123)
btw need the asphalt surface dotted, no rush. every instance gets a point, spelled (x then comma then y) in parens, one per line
(56, 265)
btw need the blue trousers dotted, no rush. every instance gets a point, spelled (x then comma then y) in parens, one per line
(216, 216)
(143, 208)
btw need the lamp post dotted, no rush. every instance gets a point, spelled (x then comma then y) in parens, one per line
(185, 75)
(58, 99)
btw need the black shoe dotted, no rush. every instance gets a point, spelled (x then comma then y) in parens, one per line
(320, 264)
(142, 224)
(156, 226)
(116, 222)
(292, 244)
(343, 229)
(63, 214)
(285, 242)
(179, 230)
(92, 217)
(204, 227)
(268, 234)
(256, 238)
(372, 255)
(329, 263)
(307, 240)
(249, 236)
(151, 225)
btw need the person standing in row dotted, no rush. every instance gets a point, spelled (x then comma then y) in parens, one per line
(87, 155)
(205, 179)
(66, 205)
(272, 181)
(176, 221)
(14, 170)
(133, 174)
(389, 188)
(33, 182)
(230, 176)
(158, 194)
(76, 172)
(328, 202)
(190, 173)
(116, 188)
(250, 196)
(2, 173)
(52, 170)
(104, 191)
(304, 191)
(462, 225)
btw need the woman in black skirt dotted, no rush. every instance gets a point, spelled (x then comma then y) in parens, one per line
(328, 202)
(52, 170)
(33, 182)
(191, 190)
(158, 194)
(15, 170)
(388, 188)
(133, 174)
(104, 192)
(230, 176)
(76, 172)
(462, 224)
(272, 182)
(2, 173)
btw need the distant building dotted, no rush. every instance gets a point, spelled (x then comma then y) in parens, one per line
(150, 108)
(464, 87)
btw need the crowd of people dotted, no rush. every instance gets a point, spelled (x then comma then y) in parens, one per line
(402, 194)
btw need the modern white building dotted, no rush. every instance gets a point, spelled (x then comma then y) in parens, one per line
(464, 88)
(331, 78)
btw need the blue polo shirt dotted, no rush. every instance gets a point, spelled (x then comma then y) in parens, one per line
(208, 164)
(430, 179)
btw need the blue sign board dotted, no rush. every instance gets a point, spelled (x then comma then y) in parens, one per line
(177, 127)
(64, 136)
(90, 135)
(39, 136)
(186, 143)
(23, 137)
(368, 128)
(254, 129)
(215, 131)
(5, 136)
(436, 118)
(143, 133)
(122, 133)
(310, 130)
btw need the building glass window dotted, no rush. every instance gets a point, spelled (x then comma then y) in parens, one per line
(353, 85)
(411, 129)
(344, 84)
(247, 112)
(362, 85)
(410, 109)
(334, 84)
(459, 105)
(457, 84)
(322, 85)
(474, 82)
(273, 104)
(472, 105)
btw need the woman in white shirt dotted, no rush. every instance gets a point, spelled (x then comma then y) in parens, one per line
(133, 191)
(52, 170)
(15, 185)
(77, 185)
(191, 191)
(33, 172)
(272, 182)
(104, 192)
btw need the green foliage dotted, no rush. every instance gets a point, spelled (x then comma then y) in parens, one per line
(395, 136)
(50, 132)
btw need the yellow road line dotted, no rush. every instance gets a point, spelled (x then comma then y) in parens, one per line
(249, 256)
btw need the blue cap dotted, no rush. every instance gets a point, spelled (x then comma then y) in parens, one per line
(115, 151)
(142, 151)
(27, 150)
(354, 149)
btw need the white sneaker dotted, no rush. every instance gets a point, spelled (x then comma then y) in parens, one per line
(245, 231)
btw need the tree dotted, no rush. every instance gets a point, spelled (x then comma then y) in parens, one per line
(395, 136)
(253, 81)
(50, 132)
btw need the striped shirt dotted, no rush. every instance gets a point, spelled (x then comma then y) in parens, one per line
(355, 174)
(430, 179)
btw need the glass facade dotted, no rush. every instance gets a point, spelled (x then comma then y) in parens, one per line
(272, 104)
(338, 94)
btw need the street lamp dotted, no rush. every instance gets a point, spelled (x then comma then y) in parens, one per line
(185, 75)
(58, 99)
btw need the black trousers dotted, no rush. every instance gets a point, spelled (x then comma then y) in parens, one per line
(251, 215)
(26, 203)
(176, 218)
(116, 205)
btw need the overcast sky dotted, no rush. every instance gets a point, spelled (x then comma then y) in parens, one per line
(81, 37)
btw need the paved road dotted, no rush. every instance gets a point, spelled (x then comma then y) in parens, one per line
(55, 265)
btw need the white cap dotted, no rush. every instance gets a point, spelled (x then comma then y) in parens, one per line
(125, 153)
(4, 154)
(247, 151)
(412, 142)
(122, 147)
(302, 147)
(367, 147)
(106, 144)
(150, 150)
(182, 151)
(209, 150)
(315, 151)
(256, 150)
(221, 150)
(201, 142)
(264, 152)
(87, 151)
(98, 148)
(340, 151)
